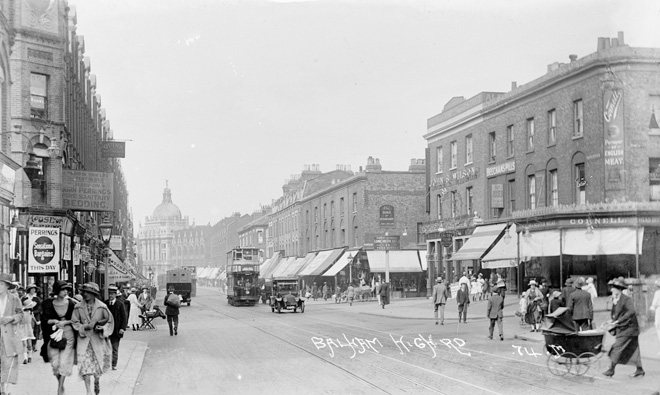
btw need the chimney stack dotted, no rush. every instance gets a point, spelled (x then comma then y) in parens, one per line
(572, 57)
(514, 85)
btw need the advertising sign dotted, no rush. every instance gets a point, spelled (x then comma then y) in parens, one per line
(115, 243)
(387, 243)
(7, 177)
(614, 139)
(113, 149)
(66, 248)
(497, 196)
(386, 215)
(87, 190)
(44, 250)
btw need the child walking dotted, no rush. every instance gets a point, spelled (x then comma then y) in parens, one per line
(26, 331)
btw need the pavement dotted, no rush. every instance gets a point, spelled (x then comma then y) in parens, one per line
(514, 328)
(36, 378)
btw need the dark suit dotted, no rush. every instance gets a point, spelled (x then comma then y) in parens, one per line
(580, 305)
(495, 313)
(565, 293)
(625, 349)
(172, 313)
(440, 296)
(118, 311)
(127, 305)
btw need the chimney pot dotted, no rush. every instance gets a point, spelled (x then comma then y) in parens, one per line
(572, 57)
(514, 85)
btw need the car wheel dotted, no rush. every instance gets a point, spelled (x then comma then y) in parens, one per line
(302, 307)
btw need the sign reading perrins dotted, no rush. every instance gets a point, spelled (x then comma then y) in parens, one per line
(44, 250)
(87, 190)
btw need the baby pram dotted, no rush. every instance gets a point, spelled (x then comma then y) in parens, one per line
(149, 316)
(570, 351)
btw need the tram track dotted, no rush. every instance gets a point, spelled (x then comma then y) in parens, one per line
(520, 374)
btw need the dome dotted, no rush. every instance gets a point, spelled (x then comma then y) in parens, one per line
(167, 209)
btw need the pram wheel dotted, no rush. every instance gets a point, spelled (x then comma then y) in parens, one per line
(559, 365)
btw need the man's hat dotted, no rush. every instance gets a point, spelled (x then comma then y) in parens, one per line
(500, 284)
(92, 288)
(532, 282)
(112, 288)
(438, 280)
(556, 294)
(569, 281)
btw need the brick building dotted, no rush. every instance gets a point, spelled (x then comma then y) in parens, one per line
(53, 126)
(569, 160)
(255, 233)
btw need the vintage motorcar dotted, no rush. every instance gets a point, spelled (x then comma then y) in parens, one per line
(285, 295)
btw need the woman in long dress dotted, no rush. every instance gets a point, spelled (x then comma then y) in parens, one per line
(94, 323)
(625, 350)
(534, 299)
(134, 319)
(11, 314)
(56, 313)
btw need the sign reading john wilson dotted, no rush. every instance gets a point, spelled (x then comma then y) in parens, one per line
(87, 190)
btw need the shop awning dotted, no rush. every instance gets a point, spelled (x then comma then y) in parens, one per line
(482, 238)
(274, 263)
(309, 258)
(536, 244)
(339, 264)
(603, 241)
(321, 263)
(283, 266)
(213, 273)
(222, 276)
(117, 271)
(267, 266)
(404, 261)
(291, 268)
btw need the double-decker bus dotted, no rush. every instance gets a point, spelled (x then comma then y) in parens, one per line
(242, 276)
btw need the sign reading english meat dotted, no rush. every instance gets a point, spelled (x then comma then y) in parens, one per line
(44, 250)
(614, 157)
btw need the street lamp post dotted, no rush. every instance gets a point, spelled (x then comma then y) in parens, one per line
(350, 268)
(106, 234)
(150, 271)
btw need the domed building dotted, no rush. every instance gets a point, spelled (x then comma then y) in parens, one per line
(156, 236)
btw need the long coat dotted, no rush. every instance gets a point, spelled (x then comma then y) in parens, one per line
(624, 313)
(11, 337)
(100, 345)
(440, 293)
(580, 305)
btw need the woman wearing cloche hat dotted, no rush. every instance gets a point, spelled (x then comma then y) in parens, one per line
(94, 323)
(625, 349)
(534, 299)
(10, 318)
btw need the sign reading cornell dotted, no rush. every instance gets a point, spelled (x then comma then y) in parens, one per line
(87, 190)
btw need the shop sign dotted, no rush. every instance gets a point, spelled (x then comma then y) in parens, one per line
(455, 178)
(446, 239)
(43, 250)
(386, 214)
(87, 190)
(76, 255)
(503, 168)
(113, 149)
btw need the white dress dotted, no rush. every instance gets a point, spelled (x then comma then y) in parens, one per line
(134, 315)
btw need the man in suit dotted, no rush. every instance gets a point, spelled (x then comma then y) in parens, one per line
(494, 311)
(118, 311)
(440, 296)
(172, 303)
(567, 291)
(580, 305)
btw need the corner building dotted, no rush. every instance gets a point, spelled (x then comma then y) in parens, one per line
(569, 162)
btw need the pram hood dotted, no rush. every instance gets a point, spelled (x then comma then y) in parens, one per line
(560, 322)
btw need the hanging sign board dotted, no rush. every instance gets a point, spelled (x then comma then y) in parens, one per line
(113, 149)
(44, 250)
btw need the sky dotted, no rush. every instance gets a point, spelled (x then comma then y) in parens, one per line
(228, 99)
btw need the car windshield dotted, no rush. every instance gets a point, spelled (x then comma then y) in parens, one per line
(287, 287)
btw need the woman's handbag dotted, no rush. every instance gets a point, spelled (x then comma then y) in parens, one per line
(57, 340)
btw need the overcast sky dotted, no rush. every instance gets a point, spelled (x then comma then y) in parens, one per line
(228, 99)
